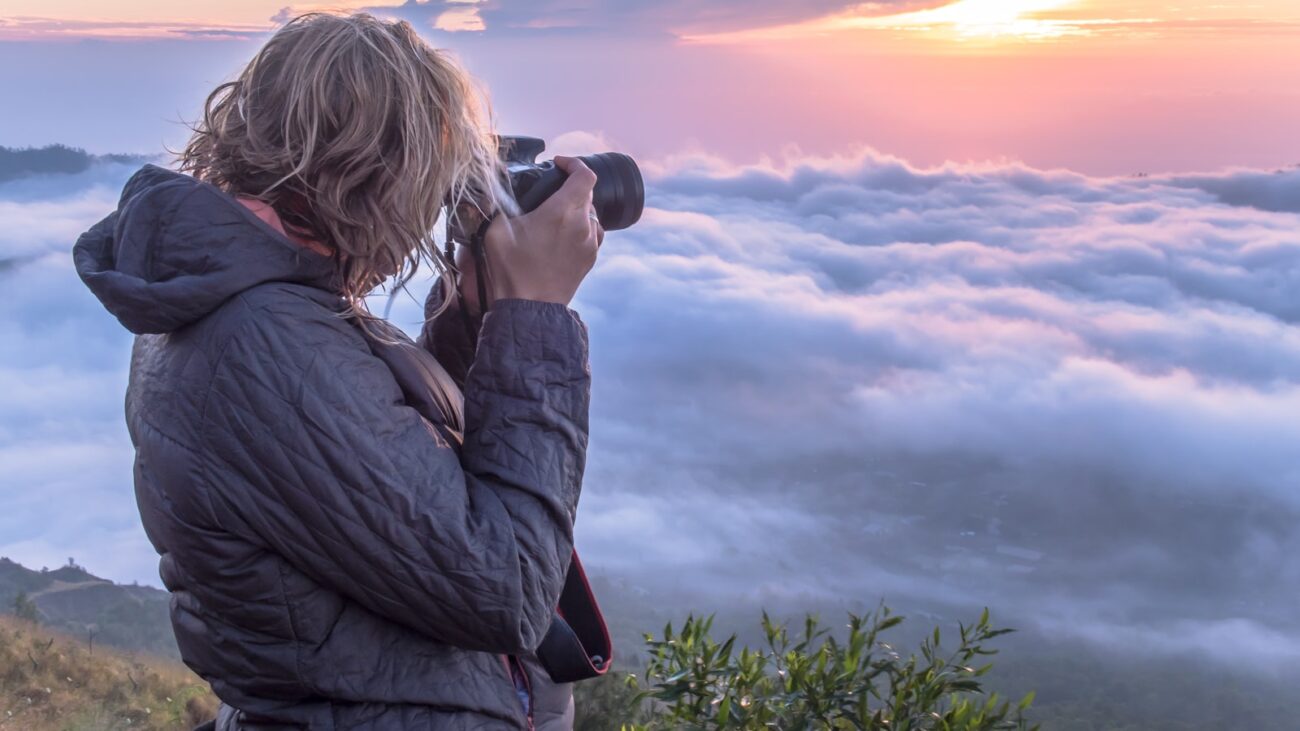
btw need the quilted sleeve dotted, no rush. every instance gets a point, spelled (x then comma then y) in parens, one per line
(315, 454)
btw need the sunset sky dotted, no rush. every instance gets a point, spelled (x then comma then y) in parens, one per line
(1098, 86)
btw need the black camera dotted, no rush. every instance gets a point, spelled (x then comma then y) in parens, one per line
(618, 198)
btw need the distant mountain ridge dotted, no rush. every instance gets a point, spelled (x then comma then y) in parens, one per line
(21, 162)
(72, 600)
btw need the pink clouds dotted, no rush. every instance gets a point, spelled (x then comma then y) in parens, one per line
(37, 28)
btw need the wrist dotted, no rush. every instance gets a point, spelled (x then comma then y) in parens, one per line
(515, 306)
(532, 295)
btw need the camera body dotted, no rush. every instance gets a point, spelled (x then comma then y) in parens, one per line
(619, 195)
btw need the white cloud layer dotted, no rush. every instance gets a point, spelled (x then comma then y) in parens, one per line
(1052, 394)
(966, 385)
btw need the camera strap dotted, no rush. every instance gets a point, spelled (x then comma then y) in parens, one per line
(479, 252)
(478, 248)
(426, 386)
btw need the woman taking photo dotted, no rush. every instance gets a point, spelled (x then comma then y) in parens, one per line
(338, 558)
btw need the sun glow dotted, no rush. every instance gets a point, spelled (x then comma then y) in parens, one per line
(978, 19)
(993, 20)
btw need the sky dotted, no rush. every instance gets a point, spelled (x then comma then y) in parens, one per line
(954, 304)
(1096, 86)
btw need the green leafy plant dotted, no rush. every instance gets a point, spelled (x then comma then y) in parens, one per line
(25, 608)
(820, 682)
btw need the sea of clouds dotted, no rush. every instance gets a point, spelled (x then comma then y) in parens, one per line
(1073, 399)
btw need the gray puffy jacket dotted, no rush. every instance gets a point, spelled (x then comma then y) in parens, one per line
(335, 562)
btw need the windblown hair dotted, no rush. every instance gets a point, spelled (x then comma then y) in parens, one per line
(357, 133)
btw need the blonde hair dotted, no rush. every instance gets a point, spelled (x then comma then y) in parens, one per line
(357, 133)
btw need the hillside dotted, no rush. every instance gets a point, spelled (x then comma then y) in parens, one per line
(72, 600)
(1080, 687)
(52, 681)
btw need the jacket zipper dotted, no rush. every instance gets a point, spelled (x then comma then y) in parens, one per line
(528, 685)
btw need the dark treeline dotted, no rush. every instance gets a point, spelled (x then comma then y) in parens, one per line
(18, 162)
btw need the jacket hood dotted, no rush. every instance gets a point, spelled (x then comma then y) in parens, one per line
(177, 248)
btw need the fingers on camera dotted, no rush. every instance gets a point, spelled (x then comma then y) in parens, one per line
(580, 183)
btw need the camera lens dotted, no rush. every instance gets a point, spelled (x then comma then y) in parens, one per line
(619, 196)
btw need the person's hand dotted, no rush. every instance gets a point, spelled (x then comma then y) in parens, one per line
(542, 255)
